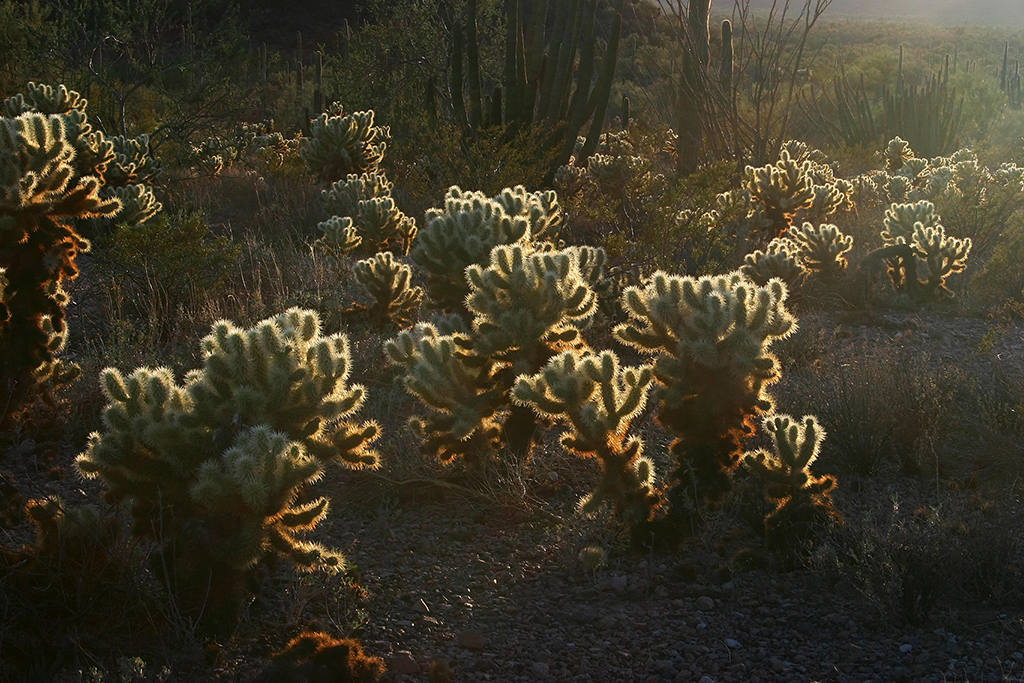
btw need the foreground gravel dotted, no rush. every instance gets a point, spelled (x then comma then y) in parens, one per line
(499, 599)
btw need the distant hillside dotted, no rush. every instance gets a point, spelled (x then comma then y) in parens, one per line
(993, 12)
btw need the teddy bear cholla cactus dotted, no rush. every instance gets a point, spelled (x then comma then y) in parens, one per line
(213, 468)
(710, 337)
(784, 188)
(821, 249)
(597, 399)
(802, 500)
(124, 167)
(366, 200)
(780, 259)
(340, 145)
(526, 306)
(913, 233)
(395, 300)
(469, 226)
(41, 195)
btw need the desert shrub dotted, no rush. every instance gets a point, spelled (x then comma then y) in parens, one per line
(908, 561)
(214, 469)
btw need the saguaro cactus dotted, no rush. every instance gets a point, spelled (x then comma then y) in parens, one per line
(802, 500)
(213, 468)
(710, 337)
(692, 85)
(40, 196)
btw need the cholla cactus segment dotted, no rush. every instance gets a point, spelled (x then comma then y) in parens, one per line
(597, 399)
(898, 188)
(780, 259)
(822, 249)
(570, 179)
(133, 162)
(942, 255)
(138, 203)
(340, 145)
(457, 390)
(783, 188)
(366, 200)
(525, 298)
(827, 200)
(900, 220)
(802, 500)
(340, 236)
(389, 283)
(896, 154)
(541, 209)
(465, 231)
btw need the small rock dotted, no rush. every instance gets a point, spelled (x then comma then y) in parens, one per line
(403, 663)
(778, 666)
(619, 583)
(906, 647)
(1018, 656)
(471, 640)
(704, 603)
(421, 607)
(608, 622)
(732, 644)
(540, 669)
(706, 679)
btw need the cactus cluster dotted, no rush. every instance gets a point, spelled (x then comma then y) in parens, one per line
(389, 283)
(525, 306)
(468, 227)
(784, 188)
(780, 259)
(710, 337)
(213, 469)
(375, 223)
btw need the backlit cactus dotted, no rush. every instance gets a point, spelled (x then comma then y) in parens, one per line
(822, 249)
(784, 188)
(780, 259)
(341, 145)
(526, 306)
(340, 237)
(41, 195)
(389, 282)
(913, 237)
(213, 468)
(597, 399)
(366, 199)
(802, 500)
(468, 227)
(711, 338)
(896, 153)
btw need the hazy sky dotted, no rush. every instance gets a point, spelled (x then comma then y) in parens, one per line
(1000, 12)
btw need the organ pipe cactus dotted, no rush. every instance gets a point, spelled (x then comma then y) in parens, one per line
(41, 195)
(802, 501)
(340, 145)
(213, 469)
(597, 400)
(710, 337)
